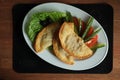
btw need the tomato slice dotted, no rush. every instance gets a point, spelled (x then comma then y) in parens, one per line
(82, 28)
(92, 41)
(76, 22)
(91, 30)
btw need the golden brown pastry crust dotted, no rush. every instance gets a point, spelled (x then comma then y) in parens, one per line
(72, 43)
(60, 52)
(44, 37)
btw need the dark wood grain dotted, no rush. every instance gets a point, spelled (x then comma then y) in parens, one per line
(6, 71)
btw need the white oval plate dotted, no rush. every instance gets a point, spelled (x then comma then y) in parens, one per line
(91, 62)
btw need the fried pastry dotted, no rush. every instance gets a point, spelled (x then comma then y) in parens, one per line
(72, 43)
(44, 37)
(60, 52)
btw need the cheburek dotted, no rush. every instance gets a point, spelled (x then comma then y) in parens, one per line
(72, 43)
(44, 37)
(60, 52)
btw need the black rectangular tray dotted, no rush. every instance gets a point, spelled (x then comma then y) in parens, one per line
(25, 61)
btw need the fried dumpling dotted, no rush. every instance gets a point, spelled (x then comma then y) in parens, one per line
(44, 37)
(60, 52)
(72, 43)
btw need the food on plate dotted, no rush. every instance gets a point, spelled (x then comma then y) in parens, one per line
(72, 43)
(60, 52)
(44, 37)
(69, 37)
(41, 19)
(88, 33)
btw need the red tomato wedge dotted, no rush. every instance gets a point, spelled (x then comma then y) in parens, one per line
(91, 30)
(92, 41)
(83, 26)
(76, 22)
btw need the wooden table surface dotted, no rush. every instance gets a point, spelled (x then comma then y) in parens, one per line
(6, 71)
